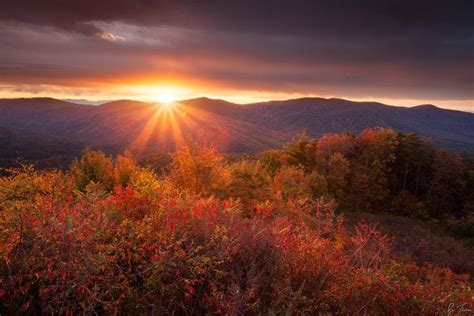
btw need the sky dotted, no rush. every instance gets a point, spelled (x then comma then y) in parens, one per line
(396, 52)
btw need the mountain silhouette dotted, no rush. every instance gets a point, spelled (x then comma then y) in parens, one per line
(232, 128)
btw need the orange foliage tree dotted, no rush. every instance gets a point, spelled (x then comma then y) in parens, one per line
(128, 242)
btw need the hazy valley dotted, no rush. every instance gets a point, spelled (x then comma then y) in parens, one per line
(62, 129)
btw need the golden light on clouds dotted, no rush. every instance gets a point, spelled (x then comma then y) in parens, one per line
(97, 50)
(107, 36)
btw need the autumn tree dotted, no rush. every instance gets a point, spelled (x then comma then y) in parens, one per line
(317, 185)
(249, 181)
(373, 157)
(331, 144)
(290, 182)
(302, 151)
(412, 168)
(125, 169)
(339, 168)
(448, 186)
(198, 169)
(272, 160)
(93, 167)
(469, 176)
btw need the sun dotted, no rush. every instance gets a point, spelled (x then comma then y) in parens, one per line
(165, 97)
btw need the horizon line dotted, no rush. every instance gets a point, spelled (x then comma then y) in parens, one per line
(91, 102)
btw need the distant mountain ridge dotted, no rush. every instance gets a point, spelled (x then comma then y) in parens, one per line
(116, 125)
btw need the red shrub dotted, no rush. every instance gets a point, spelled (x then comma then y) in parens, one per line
(68, 253)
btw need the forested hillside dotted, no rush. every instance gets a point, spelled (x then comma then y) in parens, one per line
(373, 223)
(147, 128)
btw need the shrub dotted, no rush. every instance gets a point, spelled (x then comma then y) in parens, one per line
(210, 238)
(405, 204)
(122, 252)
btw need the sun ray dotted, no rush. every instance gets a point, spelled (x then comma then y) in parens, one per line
(140, 142)
(168, 126)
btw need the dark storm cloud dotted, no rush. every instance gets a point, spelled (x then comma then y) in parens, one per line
(359, 18)
(417, 49)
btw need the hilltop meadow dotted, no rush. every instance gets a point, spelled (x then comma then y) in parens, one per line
(373, 223)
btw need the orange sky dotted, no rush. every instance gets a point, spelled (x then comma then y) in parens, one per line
(177, 91)
(241, 51)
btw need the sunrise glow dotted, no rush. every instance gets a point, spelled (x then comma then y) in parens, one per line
(236, 157)
(166, 98)
(168, 58)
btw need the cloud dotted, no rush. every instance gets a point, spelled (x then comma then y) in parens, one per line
(107, 36)
(415, 49)
(365, 18)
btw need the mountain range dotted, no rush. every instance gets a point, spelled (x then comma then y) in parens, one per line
(53, 131)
